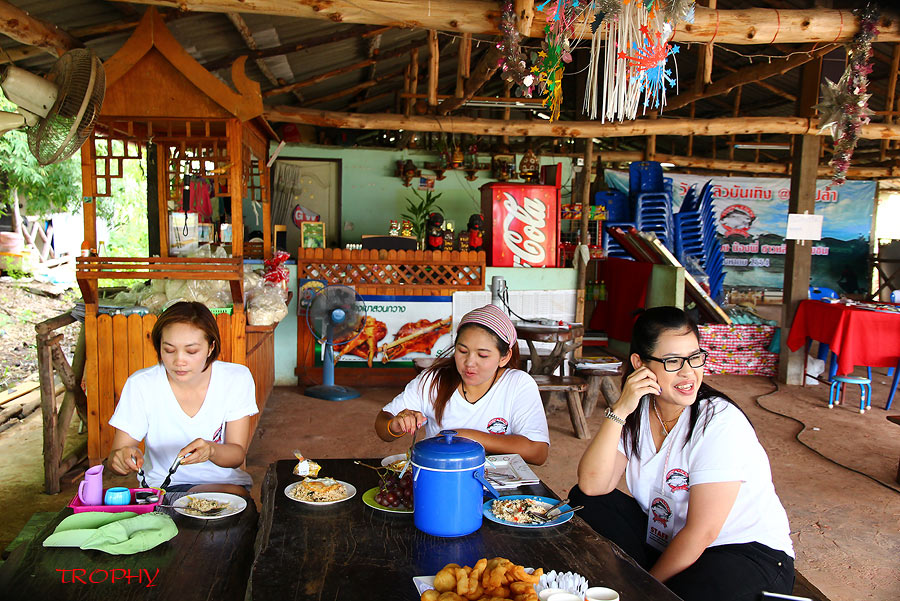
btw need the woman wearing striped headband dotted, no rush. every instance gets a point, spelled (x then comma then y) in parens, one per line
(477, 391)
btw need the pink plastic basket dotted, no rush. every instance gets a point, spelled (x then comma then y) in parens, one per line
(77, 506)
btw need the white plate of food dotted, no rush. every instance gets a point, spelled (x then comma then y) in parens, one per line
(194, 504)
(320, 491)
(512, 511)
(394, 462)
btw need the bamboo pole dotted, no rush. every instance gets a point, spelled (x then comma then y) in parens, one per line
(582, 264)
(571, 129)
(463, 64)
(891, 91)
(740, 26)
(434, 67)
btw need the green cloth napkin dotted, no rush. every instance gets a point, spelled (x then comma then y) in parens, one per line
(121, 533)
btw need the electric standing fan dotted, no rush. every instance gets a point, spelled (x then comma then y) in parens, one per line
(335, 313)
(58, 112)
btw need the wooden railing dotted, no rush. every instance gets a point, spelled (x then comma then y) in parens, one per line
(160, 268)
(419, 272)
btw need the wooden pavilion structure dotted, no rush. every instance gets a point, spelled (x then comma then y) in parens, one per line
(157, 94)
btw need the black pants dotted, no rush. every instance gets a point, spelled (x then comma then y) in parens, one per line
(738, 572)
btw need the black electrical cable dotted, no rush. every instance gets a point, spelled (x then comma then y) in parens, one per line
(803, 429)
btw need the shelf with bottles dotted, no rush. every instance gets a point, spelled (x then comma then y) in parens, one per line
(570, 233)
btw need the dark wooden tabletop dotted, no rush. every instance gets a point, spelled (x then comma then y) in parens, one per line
(351, 551)
(207, 559)
(542, 333)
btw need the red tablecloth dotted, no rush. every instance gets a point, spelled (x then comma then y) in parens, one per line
(857, 336)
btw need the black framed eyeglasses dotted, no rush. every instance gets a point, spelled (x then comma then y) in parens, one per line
(698, 359)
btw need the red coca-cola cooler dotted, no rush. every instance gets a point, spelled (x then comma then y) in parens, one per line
(521, 223)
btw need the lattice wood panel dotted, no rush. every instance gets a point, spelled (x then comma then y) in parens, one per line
(206, 158)
(111, 151)
(395, 272)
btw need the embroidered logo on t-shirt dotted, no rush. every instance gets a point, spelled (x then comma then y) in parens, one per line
(661, 511)
(677, 479)
(498, 425)
(217, 437)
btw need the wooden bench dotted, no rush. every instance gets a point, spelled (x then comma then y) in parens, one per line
(598, 380)
(573, 387)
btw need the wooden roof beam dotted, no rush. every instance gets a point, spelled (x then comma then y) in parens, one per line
(340, 71)
(483, 71)
(763, 84)
(570, 129)
(748, 75)
(742, 26)
(22, 27)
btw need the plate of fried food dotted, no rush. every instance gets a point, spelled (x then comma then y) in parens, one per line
(206, 505)
(395, 462)
(518, 511)
(320, 491)
(489, 579)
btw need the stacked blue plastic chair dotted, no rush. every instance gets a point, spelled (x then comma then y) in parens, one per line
(653, 213)
(611, 248)
(644, 176)
(695, 235)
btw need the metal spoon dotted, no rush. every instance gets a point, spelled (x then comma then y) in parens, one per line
(409, 454)
(213, 511)
(557, 506)
(545, 518)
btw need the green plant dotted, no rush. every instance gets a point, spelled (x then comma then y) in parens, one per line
(417, 212)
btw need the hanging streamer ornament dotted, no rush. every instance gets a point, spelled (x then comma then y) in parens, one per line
(844, 105)
(512, 64)
(555, 50)
(678, 11)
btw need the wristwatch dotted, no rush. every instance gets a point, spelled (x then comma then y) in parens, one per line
(610, 415)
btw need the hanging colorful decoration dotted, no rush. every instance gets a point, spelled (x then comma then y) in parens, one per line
(844, 105)
(512, 64)
(555, 50)
(634, 64)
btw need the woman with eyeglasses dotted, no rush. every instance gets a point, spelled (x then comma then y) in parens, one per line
(703, 516)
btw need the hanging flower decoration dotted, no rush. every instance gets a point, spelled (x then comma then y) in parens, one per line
(844, 105)
(555, 50)
(512, 63)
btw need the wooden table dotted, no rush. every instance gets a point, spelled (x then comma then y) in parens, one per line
(566, 338)
(207, 559)
(351, 551)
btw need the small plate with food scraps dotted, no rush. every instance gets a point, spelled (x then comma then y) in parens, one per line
(395, 462)
(320, 491)
(514, 511)
(195, 505)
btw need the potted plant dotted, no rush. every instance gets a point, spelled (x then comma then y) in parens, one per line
(417, 212)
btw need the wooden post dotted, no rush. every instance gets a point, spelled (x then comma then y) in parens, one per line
(585, 218)
(162, 199)
(463, 64)
(798, 259)
(889, 100)
(413, 79)
(433, 68)
(734, 113)
(49, 415)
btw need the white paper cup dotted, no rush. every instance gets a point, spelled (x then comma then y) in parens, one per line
(563, 596)
(601, 593)
(544, 595)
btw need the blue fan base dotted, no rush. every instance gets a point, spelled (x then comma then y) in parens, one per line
(333, 392)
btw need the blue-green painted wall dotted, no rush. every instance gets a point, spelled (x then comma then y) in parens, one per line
(371, 195)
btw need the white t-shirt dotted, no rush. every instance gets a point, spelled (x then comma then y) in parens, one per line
(512, 406)
(148, 411)
(726, 451)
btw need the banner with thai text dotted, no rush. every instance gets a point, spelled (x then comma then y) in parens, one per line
(751, 222)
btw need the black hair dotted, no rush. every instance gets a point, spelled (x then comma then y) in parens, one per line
(649, 326)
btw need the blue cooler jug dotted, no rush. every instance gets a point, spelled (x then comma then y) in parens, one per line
(448, 483)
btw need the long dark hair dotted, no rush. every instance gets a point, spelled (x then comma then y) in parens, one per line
(446, 378)
(645, 334)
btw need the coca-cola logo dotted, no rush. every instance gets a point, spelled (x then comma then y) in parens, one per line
(526, 246)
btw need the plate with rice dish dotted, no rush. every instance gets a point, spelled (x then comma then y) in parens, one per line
(514, 510)
(320, 491)
(194, 504)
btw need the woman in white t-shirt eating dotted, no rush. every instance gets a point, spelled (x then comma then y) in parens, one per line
(704, 517)
(189, 405)
(477, 391)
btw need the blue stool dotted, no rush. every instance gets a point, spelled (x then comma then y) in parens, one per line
(865, 391)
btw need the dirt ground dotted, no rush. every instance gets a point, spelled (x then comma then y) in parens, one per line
(845, 524)
(23, 304)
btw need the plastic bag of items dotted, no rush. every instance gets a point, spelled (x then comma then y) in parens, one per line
(276, 273)
(265, 305)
